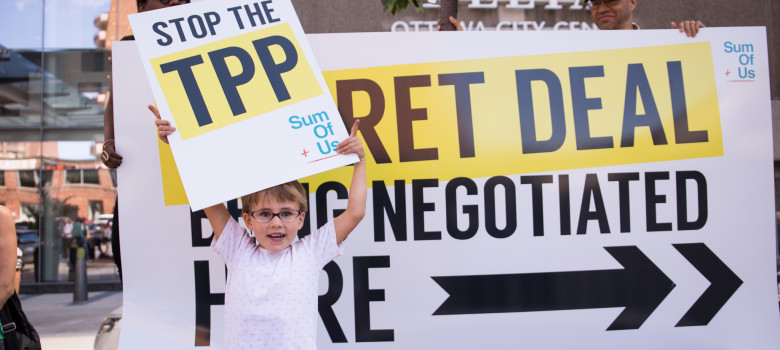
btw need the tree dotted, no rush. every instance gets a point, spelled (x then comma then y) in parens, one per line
(448, 8)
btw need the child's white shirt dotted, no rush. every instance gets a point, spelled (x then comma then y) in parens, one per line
(271, 298)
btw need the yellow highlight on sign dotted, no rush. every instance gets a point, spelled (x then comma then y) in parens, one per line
(214, 85)
(588, 109)
(530, 114)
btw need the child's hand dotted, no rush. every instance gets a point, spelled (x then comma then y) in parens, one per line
(164, 127)
(352, 144)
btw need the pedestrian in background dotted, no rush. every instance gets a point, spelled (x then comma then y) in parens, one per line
(67, 237)
(15, 331)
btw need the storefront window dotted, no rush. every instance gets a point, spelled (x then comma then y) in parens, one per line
(54, 83)
(21, 41)
(78, 71)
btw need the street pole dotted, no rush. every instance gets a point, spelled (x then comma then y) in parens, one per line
(80, 278)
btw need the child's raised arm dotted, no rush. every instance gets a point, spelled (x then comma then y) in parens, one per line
(217, 214)
(356, 203)
(218, 217)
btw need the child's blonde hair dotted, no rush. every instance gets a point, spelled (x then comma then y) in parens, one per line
(291, 191)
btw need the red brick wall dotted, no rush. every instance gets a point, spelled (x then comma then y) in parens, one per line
(72, 194)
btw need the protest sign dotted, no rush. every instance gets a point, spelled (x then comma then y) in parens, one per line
(238, 75)
(581, 190)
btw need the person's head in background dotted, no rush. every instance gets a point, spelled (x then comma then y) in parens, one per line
(612, 14)
(148, 5)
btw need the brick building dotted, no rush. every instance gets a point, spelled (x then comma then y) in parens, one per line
(31, 171)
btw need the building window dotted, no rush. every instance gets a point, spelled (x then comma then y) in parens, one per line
(90, 176)
(29, 212)
(28, 178)
(95, 209)
(2, 178)
(82, 176)
(72, 176)
(94, 61)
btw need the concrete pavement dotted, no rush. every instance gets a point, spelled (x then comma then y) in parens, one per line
(102, 275)
(65, 325)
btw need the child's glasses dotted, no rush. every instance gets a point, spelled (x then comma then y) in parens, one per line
(284, 215)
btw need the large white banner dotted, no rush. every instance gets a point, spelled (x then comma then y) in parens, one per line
(544, 190)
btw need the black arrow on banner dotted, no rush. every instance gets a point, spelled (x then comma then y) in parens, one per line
(723, 284)
(640, 287)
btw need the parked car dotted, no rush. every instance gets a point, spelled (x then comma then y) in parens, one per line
(28, 242)
(108, 335)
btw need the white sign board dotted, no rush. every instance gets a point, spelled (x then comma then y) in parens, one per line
(605, 190)
(238, 75)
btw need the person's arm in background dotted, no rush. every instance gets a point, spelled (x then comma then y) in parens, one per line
(109, 156)
(7, 254)
(18, 273)
(454, 22)
(690, 28)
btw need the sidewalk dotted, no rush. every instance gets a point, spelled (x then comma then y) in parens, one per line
(102, 275)
(65, 325)
(97, 269)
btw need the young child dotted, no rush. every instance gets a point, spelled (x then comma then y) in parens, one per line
(271, 292)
